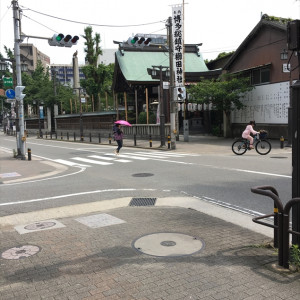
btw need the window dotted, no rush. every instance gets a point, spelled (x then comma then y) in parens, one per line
(260, 76)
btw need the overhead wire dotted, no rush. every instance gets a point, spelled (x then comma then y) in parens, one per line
(91, 24)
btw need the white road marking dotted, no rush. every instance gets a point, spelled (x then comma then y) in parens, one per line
(92, 161)
(110, 158)
(128, 156)
(65, 196)
(69, 163)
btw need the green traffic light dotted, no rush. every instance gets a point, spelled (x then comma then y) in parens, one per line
(134, 40)
(59, 37)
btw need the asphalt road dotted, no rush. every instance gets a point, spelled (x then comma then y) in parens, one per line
(94, 173)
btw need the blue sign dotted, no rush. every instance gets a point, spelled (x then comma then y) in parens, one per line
(10, 94)
(41, 112)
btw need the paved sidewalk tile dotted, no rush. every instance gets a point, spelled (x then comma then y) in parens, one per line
(80, 262)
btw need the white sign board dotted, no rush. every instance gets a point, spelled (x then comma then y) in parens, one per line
(286, 68)
(177, 32)
(265, 104)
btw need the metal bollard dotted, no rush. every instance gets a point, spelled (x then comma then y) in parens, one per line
(51, 135)
(61, 135)
(67, 135)
(169, 142)
(56, 135)
(150, 140)
(134, 139)
(109, 138)
(74, 137)
(99, 136)
(29, 153)
(281, 142)
(90, 137)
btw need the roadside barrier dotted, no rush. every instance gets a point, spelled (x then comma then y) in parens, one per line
(281, 225)
(96, 137)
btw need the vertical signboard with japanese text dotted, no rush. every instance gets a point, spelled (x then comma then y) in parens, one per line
(177, 32)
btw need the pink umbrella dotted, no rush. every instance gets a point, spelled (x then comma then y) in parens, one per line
(123, 122)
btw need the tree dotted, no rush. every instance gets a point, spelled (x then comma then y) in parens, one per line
(223, 93)
(40, 87)
(92, 44)
(98, 77)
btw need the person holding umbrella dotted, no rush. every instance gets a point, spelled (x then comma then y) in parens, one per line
(118, 135)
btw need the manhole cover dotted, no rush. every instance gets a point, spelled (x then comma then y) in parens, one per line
(142, 202)
(20, 252)
(142, 174)
(39, 225)
(168, 244)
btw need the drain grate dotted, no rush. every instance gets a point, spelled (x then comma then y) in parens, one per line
(278, 157)
(142, 202)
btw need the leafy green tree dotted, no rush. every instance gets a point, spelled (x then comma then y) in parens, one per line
(92, 44)
(223, 93)
(98, 78)
(40, 87)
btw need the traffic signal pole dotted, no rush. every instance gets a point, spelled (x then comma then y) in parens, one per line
(16, 20)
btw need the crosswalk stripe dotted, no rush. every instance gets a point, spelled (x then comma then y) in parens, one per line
(165, 154)
(110, 158)
(97, 162)
(70, 163)
(128, 156)
(149, 155)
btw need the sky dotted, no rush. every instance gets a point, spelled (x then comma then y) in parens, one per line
(220, 25)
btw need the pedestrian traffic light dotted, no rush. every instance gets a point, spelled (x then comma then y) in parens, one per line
(181, 93)
(139, 41)
(61, 40)
(18, 90)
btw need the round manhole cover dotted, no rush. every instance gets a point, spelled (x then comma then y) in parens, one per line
(142, 175)
(168, 244)
(20, 252)
(39, 225)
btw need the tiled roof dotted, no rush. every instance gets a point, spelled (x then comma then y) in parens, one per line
(134, 64)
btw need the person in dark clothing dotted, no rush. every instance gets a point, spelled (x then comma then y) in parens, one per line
(118, 135)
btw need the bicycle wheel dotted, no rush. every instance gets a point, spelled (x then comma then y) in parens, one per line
(239, 147)
(263, 147)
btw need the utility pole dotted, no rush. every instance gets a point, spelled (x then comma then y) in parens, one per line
(17, 25)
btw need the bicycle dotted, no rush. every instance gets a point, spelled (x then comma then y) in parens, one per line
(262, 145)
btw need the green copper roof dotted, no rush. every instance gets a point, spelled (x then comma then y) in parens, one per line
(134, 64)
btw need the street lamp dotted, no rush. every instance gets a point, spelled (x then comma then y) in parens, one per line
(79, 95)
(154, 75)
(284, 55)
(3, 66)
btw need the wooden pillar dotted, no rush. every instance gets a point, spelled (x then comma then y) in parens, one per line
(71, 106)
(76, 104)
(147, 106)
(125, 103)
(117, 105)
(136, 107)
(106, 101)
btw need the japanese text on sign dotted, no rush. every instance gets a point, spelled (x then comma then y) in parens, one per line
(178, 44)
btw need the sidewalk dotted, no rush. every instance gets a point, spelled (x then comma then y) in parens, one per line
(164, 248)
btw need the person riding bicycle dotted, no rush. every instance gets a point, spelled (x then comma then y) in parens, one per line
(246, 133)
